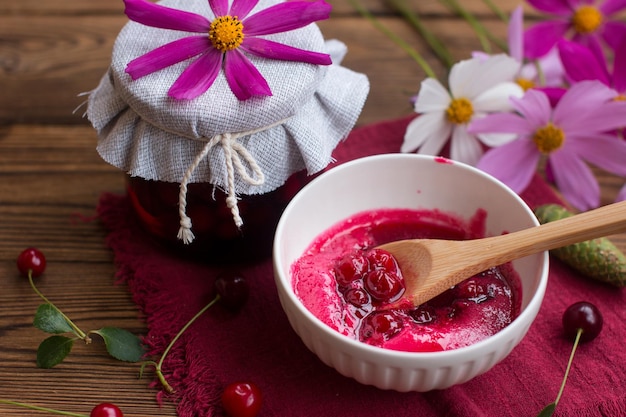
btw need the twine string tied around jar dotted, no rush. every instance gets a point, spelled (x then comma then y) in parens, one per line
(234, 154)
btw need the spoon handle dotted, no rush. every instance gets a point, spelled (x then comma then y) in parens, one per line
(600, 222)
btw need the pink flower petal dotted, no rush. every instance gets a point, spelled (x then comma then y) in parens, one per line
(219, 7)
(157, 16)
(243, 78)
(166, 55)
(605, 151)
(592, 42)
(501, 123)
(516, 34)
(554, 94)
(572, 54)
(607, 117)
(241, 8)
(198, 77)
(552, 68)
(613, 32)
(513, 163)
(274, 50)
(575, 180)
(534, 106)
(540, 38)
(577, 109)
(286, 16)
(612, 6)
(558, 7)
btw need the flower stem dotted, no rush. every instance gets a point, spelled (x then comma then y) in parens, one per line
(159, 365)
(496, 10)
(435, 44)
(401, 43)
(49, 410)
(76, 329)
(481, 31)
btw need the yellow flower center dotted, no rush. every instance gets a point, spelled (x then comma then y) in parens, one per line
(619, 97)
(460, 111)
(586, 19)
(525, 83)
(226, 33)
(548, 138)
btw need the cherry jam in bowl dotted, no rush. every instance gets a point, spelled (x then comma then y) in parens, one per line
(334, 285)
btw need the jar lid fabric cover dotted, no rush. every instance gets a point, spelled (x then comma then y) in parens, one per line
(148, 134)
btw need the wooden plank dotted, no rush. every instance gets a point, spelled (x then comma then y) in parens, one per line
(50, 181)
(43, 71)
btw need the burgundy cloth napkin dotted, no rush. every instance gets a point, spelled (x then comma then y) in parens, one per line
(257, 344)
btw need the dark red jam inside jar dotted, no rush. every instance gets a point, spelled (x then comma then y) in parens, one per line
(217, 239)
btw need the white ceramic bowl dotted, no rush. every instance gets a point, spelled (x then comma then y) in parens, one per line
(404, 181)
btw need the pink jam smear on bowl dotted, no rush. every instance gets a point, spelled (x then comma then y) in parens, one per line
(346, 284)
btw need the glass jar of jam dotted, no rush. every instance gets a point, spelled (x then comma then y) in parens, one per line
(217, 238)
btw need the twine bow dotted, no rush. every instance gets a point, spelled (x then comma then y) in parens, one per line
(234, 153)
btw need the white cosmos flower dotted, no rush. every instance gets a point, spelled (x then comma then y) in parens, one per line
(477, 87)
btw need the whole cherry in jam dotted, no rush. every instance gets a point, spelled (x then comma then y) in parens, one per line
(380, 325)
(350, 268)
(375, 271)
(242, 399)
(358, 297)
(33, 260)
(106, 410)
(383, 286)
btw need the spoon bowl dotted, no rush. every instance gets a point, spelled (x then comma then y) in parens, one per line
(431, 266)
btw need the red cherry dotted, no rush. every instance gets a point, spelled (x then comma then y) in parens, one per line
(380, 326)
(585, 316)
(350, 268)
(242, 399)
(358, 297)
(233, 290)
(383, 285)
(380, 258)
(106, 410)
(423, 314)
(33, 260)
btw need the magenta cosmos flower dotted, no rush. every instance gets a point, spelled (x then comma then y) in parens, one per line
(581, 64)
(571, 135)
(584, 20)
(224, 43)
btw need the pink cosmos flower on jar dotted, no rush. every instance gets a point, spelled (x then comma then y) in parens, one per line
(219, 113)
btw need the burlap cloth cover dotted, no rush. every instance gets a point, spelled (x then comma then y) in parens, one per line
(148, 134)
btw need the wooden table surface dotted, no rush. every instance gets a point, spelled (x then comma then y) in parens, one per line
(51, 178)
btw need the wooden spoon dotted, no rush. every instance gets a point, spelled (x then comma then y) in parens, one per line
(431, 266)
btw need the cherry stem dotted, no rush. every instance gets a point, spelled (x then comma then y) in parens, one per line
(76, 329)
(34, 407)
(579, 332)
(159, 365)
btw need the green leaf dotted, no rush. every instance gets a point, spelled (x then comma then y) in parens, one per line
(53, 350)
(548, 411)
(50, 320)
(121, 344)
